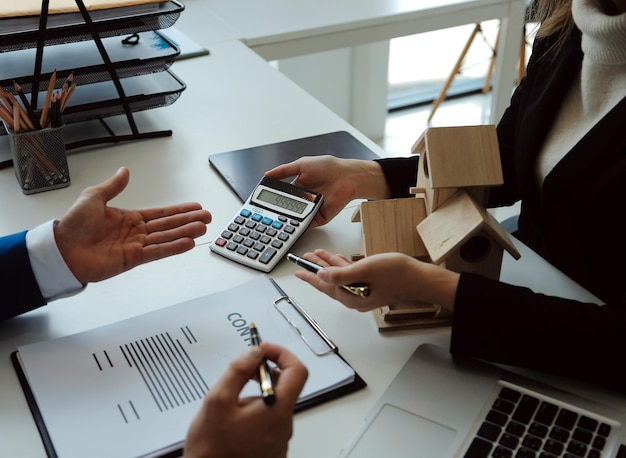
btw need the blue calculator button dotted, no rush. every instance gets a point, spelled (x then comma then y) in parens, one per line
(277, 224)
(257, 217)
(267, 220)
(245, 212)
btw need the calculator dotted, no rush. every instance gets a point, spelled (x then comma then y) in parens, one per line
(270, 221)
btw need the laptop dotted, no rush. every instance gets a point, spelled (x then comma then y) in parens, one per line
(437, 407)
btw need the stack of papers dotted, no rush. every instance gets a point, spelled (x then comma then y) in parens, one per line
(14, 9)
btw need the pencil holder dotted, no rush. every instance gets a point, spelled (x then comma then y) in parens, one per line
(39, 159)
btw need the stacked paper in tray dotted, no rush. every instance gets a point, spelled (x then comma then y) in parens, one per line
(33, 7)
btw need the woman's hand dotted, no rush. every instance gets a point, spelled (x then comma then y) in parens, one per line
(339, 180)
(393, 278)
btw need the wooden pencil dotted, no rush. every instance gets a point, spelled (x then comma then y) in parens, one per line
(5, 100)
(67, 97)
(22, 114)
(44, 112)
(6, 113)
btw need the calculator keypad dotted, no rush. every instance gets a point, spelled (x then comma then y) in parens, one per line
(256, 236)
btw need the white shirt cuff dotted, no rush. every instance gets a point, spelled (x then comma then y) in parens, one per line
(52, 273)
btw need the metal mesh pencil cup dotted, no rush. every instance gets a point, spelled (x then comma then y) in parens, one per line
(39, 159)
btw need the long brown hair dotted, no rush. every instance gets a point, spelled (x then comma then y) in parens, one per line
(554, 18)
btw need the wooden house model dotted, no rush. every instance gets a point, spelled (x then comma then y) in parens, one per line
(446, 221)
(457, 157)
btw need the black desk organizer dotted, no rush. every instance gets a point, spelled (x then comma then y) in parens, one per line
(114, 86)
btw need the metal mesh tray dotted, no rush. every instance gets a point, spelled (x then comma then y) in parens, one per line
(143, 92)
(22, 33)
(150, 53)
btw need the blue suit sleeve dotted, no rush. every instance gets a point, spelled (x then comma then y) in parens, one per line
(18, 286)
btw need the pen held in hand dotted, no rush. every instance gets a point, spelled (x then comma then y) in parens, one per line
(265, 375)
(358, 289)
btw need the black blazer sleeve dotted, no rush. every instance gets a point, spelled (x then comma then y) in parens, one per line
(20, 291)
(514, 325)
(400, 173)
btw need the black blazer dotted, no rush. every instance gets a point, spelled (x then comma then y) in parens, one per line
(574, 223)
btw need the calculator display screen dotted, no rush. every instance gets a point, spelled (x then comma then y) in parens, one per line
(282, 201)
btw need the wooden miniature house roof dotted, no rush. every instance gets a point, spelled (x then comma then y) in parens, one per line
(458, 220)
(456, 157)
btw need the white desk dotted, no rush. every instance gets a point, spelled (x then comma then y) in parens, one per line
(223, 108)
(353, 81)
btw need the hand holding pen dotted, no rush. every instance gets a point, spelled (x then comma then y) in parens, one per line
(228, 425)
(392, 278)
(358, 289)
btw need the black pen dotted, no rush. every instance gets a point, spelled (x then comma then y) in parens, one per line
(358, 289)
(265, 375)
(27, 106)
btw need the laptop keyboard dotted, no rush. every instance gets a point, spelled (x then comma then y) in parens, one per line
(524, 424)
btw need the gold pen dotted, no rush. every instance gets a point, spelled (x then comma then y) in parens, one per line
(358, 289)
(265, 375)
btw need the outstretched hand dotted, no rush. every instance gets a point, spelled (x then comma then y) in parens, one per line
(99, 242)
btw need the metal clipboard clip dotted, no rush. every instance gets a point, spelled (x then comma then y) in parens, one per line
(322, 345)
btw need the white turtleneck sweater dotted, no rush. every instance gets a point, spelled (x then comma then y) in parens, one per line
(600, 85)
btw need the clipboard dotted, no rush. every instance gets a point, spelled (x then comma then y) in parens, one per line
(241, 169)
(279, 317)
(304, 317)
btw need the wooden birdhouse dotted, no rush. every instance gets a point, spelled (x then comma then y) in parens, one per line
(457, 157)
(464, 237)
